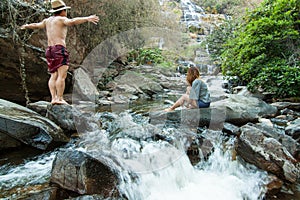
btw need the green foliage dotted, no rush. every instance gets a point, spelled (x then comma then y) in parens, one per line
(116, 19)
(218, 6)
(278, 78)
(146, 56)
(218, 38)
(264, 50)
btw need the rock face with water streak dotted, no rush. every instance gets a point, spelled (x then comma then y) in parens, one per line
(22, 125)
(76, 171)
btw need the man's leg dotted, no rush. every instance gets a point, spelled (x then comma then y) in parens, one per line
(60, 83)
(52, 87)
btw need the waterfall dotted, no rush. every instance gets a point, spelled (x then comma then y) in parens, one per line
(201, 25)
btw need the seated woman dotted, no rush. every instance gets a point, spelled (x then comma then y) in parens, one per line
(197, 94)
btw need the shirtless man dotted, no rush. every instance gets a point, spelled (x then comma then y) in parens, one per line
(56, 54)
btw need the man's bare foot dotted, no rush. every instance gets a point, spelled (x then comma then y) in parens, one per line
(61, 102)
(168, 109)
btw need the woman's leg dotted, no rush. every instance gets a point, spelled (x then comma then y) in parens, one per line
(184, 98)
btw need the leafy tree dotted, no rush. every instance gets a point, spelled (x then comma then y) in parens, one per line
(264, 51)
(219, 6)
(117, 17)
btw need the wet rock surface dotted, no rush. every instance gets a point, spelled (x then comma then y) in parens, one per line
(81, 173)
(28, 127)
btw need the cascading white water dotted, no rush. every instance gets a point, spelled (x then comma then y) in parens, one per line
(218, 178)
(161, 169)
(31, 172)
(165, 172)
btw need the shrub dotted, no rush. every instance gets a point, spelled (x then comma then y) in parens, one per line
(264, 51)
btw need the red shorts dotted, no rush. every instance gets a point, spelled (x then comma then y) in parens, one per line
(56, 56)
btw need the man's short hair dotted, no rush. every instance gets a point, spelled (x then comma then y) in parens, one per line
(58, 12)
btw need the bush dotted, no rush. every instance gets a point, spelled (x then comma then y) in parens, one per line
(146, 56)
(264, 51)
(219, 6)
(279, 78)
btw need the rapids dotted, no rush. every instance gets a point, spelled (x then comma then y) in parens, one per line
(161, 169)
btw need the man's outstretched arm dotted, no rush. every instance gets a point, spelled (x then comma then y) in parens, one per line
(39, 25)
(79, 20)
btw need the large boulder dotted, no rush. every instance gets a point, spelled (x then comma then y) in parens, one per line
(79, 172)
(237, 110)
(27, 126)
(267, 153)
(84, 88)
(132, 83)
(71, 119)
(241, 110)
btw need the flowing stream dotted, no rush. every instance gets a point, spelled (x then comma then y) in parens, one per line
(161, 168)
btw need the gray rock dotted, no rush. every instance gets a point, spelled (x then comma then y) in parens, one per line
(28, 126)
(76, 171)
(84, 88)
(7, 141)
(287, 141)
(289, 105)
(71, 119)
(39, 107)
(267, 154)
(231, 129)
(135, 83)
(293, 129)
(241, 110)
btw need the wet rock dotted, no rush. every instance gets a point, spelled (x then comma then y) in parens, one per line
(293, 129)
(267, 154)
(84, 88)
(274, 186)
(76, 171)
(39, 107)
(241, 110)
(231, 129)
(199, 149)
(49, 193)
(279, 122)
(29, 127)
(191, 118)
(7, 142)
(71, 119)
(289, 105)
(287, 141)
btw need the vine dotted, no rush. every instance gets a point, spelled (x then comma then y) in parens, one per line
(17, 15)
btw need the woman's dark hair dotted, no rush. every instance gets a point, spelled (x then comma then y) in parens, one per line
(192, 74)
